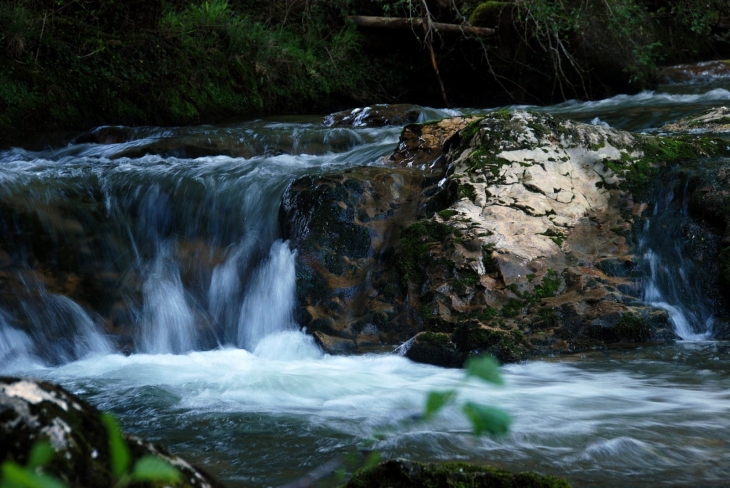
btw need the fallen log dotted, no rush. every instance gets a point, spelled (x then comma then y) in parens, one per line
(412, 23)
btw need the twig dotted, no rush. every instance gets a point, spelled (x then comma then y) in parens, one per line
(43, 28)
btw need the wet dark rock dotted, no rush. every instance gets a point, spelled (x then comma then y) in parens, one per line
(345, 227)
(333, 345)
(32, 411)
(435, 348)
(374, 116)
(106, 135)
(402, 473)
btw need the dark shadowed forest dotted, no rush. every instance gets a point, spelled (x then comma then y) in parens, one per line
(74, 64)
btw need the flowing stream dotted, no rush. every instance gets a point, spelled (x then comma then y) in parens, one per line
(169, 238)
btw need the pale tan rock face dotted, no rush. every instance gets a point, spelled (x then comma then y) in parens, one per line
(538, 187)
(716, 119)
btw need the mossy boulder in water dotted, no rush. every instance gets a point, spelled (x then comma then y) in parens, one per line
(33, 411)
(513, 236)
(531, 258)
(401, 473)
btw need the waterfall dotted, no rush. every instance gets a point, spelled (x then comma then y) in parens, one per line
(16, 347)
(168, 324)
(670, 281)
(269, 303)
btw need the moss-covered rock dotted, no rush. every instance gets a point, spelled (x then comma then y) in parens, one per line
(401, 473)
(716, 119)
(33, 411)
(435, 348)
(494, 270)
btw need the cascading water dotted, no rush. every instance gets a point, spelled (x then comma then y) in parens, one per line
(164, 245)
(144, 244)
(670, 280)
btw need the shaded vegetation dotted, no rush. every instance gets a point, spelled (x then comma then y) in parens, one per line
(81, 63)
(73, 63)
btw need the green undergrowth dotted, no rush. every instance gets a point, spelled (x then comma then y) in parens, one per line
(74, 63)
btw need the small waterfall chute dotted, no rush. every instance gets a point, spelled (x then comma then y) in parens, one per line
(671, 282)
(168, 320)
(270, 298)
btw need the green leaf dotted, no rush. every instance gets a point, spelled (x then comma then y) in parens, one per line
(118, 449)
(490, 420)
(436, 400)
(40, 454)
(17, 476)
(153, 468)
(485, 368)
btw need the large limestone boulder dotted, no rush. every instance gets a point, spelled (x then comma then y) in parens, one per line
(33, 411)
(516, 237)
(536, 256)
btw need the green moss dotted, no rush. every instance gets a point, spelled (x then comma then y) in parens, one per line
(468, 191)
(468, 277)
(413, 256)
(487, 14)
(513, 308)
(548, 318)
(487, 314)
(556, 236)
(434, 339)
(467, 133)
(446, 214)
(660, 153)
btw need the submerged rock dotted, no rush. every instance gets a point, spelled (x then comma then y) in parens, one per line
(374, 116)
(33, 411)
(402, 473)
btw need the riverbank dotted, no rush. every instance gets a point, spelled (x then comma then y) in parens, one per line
(69, 65)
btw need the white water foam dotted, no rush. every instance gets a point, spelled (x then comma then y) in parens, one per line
(566, 419)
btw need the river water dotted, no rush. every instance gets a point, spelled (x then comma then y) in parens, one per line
(189, 339)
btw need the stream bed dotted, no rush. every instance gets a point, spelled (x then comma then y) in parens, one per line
(172, 235)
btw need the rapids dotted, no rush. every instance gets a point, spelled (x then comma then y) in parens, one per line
(179, 227)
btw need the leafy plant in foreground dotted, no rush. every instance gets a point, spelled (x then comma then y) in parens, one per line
(147, 468)
(484, 419)
(13, 475)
